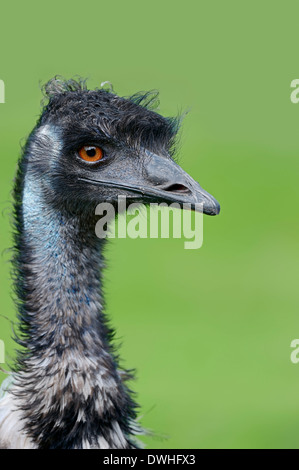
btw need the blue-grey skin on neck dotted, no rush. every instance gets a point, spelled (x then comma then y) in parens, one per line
(69, 388)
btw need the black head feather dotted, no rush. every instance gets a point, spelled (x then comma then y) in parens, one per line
(125, 120)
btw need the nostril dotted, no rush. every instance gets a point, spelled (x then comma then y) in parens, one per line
(177, 188)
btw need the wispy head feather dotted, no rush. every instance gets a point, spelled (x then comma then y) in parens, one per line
(59, 85)
(130, 120)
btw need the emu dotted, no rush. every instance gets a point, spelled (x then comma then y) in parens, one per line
(88, 146)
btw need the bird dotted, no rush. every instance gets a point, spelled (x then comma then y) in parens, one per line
(88, 146)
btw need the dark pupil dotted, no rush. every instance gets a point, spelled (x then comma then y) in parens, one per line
(91, 152)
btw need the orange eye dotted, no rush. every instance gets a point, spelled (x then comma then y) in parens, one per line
(90, 153)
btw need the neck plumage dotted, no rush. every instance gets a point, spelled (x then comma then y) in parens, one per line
(68, 385)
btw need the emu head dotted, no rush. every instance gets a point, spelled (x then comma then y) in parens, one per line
(93, 146)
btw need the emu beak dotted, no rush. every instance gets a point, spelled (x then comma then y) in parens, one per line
(159, 179)
(169, 182)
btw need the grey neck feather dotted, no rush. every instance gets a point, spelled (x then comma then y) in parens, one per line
(69, 388)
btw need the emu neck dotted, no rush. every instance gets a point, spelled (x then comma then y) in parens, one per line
(64, 278)
(69, 387)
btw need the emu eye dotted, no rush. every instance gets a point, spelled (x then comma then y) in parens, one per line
(91, 153)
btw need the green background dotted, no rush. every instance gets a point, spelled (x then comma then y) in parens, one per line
(208, 331)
